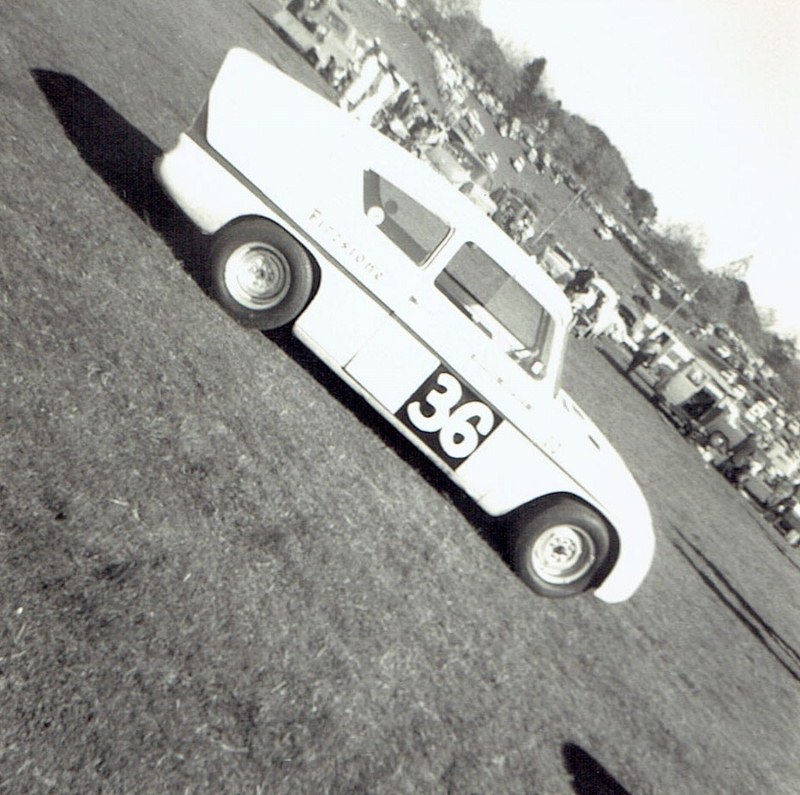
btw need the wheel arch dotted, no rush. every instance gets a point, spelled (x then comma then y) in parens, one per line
(268, 219)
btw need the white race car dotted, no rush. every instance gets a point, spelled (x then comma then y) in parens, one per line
(421, 304)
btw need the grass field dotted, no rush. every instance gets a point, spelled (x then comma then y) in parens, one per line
(220, 573)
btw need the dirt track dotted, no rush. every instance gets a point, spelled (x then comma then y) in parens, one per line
(220, 574)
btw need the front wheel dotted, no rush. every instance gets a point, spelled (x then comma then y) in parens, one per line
(558, 551)
(259, 273)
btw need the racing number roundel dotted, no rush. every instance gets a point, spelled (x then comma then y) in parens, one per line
(448, 417)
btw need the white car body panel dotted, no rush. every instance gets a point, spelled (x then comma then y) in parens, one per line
(377, 318)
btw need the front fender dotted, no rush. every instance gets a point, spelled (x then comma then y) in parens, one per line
(528, 475)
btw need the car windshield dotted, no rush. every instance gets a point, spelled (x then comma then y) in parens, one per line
(502, 308)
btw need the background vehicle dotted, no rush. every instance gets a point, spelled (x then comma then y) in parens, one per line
(788, 522)
(471, 125)
(692, 396)
(465, 170)
(321, 30)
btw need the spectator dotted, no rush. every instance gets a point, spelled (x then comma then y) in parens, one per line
(379, 94)
(738, 466)
(648, 352)
(605, 317)
(430, 134)
(367, 72)
(579, 282)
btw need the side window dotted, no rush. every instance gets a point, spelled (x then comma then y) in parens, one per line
(410, 226)
(503, 310)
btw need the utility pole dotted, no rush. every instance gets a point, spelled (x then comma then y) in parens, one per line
(558, 215)
(687, 298)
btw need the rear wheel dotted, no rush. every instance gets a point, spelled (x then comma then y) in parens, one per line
(259, 273)
(558, 551)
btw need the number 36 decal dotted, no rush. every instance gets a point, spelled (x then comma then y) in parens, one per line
(443, 406)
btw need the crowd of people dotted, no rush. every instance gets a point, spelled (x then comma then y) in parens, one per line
(374, 92)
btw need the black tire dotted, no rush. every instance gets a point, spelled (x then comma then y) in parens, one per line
(259, 273)
(559, 550)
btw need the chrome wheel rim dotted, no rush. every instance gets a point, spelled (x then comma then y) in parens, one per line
(257, 276)
(562, 554)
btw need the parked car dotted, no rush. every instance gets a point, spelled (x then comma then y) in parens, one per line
(471, 125)
(320, 30)
(603, 232)
(491, 161)
(722, 350)
(654, 291)
(421, 304)
(786, 519)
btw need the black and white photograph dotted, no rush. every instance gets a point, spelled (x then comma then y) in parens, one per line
(399, 396)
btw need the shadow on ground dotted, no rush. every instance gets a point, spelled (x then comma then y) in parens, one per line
(722, 587)
(123, 157)
(631, 378)
(589, 777)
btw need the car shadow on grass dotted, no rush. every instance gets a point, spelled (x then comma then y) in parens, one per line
(589, 777)
(123, 157)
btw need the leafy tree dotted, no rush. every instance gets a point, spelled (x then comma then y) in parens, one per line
(781, 353)
(586, 151)
(487, 61)
(529, 80)
(677, 249)
(537, 107)
(767, 315)
(643, 208)
(447, 8)
(603, 169)
(727, 299)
